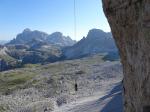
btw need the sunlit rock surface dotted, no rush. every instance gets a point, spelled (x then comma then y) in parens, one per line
(130, 24)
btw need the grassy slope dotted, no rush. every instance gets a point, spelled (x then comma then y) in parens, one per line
(50, 81)
(25, 77)
(7, 58)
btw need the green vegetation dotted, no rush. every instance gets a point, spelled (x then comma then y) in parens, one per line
(4, 108)
(31, 65)
(33, 75)
(7, 58)
(13, 80)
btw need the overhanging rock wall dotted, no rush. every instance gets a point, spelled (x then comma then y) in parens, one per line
(130, 25)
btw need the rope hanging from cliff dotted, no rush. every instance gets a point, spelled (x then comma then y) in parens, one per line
(75, 21)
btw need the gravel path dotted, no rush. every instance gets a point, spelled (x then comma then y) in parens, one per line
(103, 102)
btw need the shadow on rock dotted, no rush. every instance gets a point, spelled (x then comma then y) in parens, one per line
(116, 102)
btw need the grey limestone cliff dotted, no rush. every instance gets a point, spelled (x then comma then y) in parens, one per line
(130, 25)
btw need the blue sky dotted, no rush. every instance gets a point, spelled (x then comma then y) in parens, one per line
(50, 16)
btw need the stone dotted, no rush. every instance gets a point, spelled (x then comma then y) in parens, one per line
(130, 24)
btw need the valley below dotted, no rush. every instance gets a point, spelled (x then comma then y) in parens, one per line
(42, 72)
(89, 84)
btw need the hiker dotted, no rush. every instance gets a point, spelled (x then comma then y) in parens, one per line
(76, 87)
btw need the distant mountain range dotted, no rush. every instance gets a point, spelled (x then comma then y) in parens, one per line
(28, 36)
(97, 41)
(39, 47)
(2, 42)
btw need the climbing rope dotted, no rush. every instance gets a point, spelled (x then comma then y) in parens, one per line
(75, 21)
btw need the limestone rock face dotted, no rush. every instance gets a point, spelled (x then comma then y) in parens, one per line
(130, 25)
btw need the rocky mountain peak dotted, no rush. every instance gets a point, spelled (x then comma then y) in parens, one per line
(58, 34)
(97, 41)
(97, 33)
(27, 36)
(59, 39)
(26, 30)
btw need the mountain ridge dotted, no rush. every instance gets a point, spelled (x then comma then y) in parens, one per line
(56, 47)
(55, 38)
(97, 41)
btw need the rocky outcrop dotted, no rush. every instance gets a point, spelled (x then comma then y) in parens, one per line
(28, 37)
(59, 39)
(6, 65)
(130, 24)
(3, 65)
(97, 41)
